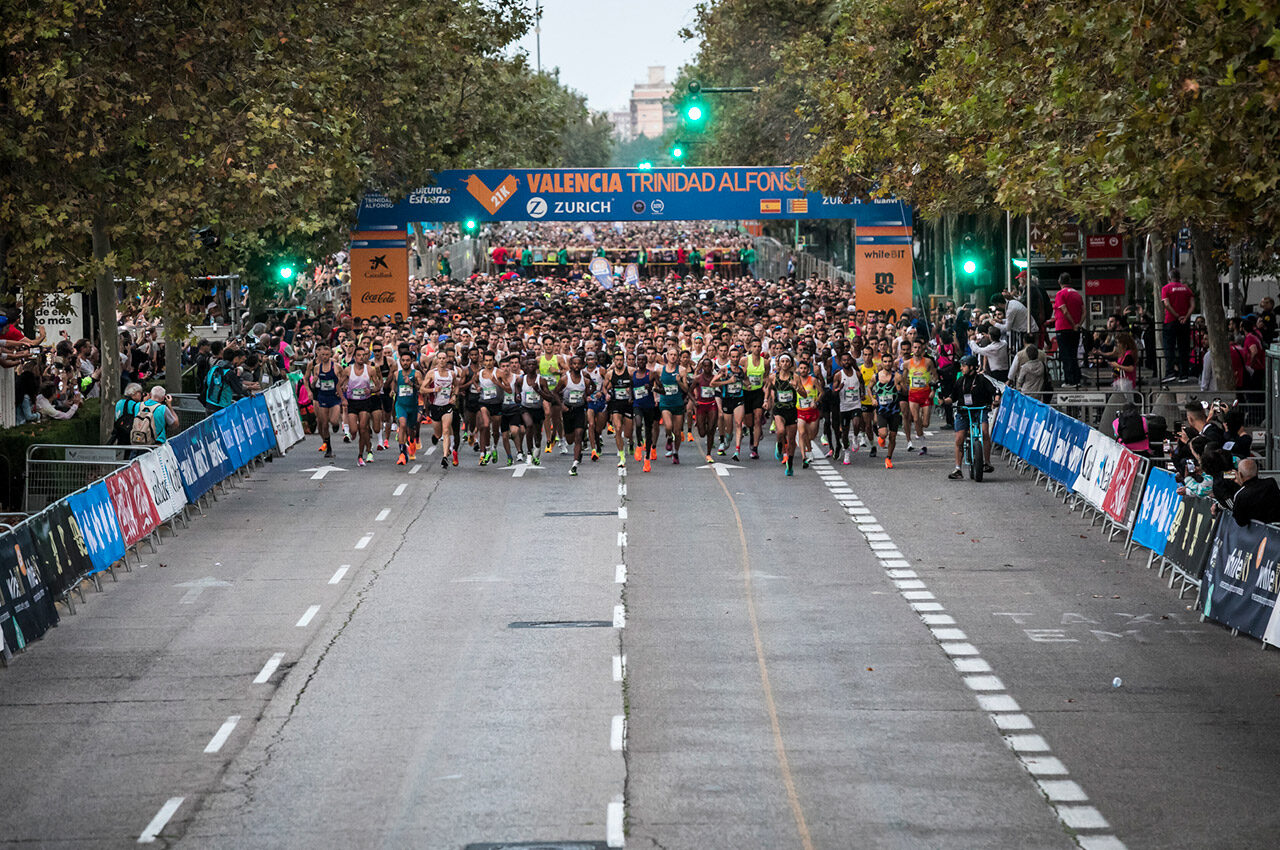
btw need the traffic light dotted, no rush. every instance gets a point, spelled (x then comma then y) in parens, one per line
(645, 165)
(286, 270)
(970, 258)
(677, 151)
(693, 109)
(470, 227)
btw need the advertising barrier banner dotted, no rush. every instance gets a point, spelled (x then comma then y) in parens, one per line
(1100, 455)
(1000, 426)
(160, 471)
(1116, 503)
(284, 415)
(60, 547)
(135, 511)
(1191, 536)
(26, 606)
(230, 423)
(202, 460)
(1159, 508)
(1239, 584)
(262, 417)
(97, 520)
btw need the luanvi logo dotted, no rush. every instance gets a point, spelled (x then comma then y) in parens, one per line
(492, 199)
(378, 262)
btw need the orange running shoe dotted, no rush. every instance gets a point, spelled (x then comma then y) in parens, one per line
(400, 460)
(880, 440)
(646, 464)
(888, 463)
(639, 452)
(708, 458)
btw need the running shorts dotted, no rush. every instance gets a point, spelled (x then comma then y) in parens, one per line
(920, 395)
(363, 405)
(438, 411)
(407, 412)
(536, 414)
(890, 421)
(962, 419)
(388, 403)
(753, 400)
(786, 414)
(730, 403)
(808, 415)
(575, 418)
(328, 400)
(620, 407)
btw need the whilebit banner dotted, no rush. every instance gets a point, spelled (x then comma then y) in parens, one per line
(1239, 585)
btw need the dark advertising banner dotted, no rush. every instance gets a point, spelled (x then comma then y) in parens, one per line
(1191, 535)
(60, 546)
(28, 609)
(620, 194)
(1239, 584)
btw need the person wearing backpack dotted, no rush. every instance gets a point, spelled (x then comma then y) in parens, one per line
(127, 409)
(223, 386)
(154, 419)
(1130, 428)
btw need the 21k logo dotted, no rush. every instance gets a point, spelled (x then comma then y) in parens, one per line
(492, 199)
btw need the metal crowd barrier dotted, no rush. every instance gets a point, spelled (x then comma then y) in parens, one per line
(56, 470)
(189, 410)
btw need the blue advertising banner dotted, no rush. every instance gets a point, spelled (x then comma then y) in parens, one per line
(202, 459)
(1238, 588)
(261, 414)
(1037, 434)
(1070, 439)
(1000, 428)
(620, 194)
(1021, 442)
(230, 422)
(1156, 513)
(98, 525)
(253, 428)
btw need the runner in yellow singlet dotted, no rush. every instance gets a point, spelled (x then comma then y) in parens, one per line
(922, 374)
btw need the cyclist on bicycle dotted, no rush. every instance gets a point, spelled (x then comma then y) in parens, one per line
(972, 390)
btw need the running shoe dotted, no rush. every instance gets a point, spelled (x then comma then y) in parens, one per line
(669, 452)
(368, 458)
(735, 457)
(986, 467)
(639, 452)
(888, 463)
(510, 460)
(455, 457)
(848, 456)
(653, 453)
(924, 450)
(381, 447)
(862, 440)
(777, 452)
(708, 458)
(519, 457)
(646, 464)
(911, 447)
(537, 461)
(484, 459)
(622, 460)
(359, 461)
(755, 454)
(880, 440)
(493, 456)
(957, 475)
(573, 470)
(549, 447)
(324, 446)
(400, 461)
(328, 452)
(346, 438)
(564, 448)
(805, 463)
(675, 459)
(475, 446)
(435, 440)
(789, 465)
(595, 456)
(444, 462)
(873, 451)
(720, 451)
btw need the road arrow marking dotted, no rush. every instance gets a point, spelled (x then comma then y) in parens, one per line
(520, 470)
(196, 587)
(322, 471)
(722, 469)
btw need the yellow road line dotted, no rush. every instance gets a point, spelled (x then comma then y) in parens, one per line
(783, 764)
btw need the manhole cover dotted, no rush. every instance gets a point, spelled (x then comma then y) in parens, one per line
(554, 624)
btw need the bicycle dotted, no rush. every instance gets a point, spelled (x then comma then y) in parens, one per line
(973, 447)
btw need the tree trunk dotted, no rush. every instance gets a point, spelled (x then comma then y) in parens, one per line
(108, 331)
(1215, 316)
(1234, 276)
(175, 331)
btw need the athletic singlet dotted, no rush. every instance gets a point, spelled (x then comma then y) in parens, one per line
(488, 389)
(886, 394)
(597, 378)
(733, 389)
(696, 356)
(359, 386)
(406, 393)
(509, 401)
(784, 394)
(850, 397)
(385, 368)
(444, 388)
(473, 389)
(549, 368)
(529, 396)
(755, 374)
(717, 368)
(868, 378)
(807, 393)
(672, 395)
(917, 374)
(641, 386)
(621, 388)
(327, 381)
(575, 392)
(704, 393)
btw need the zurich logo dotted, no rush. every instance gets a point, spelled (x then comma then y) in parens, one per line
(536, 207)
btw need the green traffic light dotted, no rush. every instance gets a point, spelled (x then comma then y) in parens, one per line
(970, 267)
(470, 225)
(694, 112)
(645, 166)
(286, 272)
(677, 152)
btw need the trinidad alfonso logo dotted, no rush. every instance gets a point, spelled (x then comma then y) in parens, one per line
(492, 199)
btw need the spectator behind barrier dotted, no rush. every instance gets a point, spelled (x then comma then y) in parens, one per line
(1250, 497)
(1130, 428)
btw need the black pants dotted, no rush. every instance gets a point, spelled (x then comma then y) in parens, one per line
(1069, 354)
(1177, 349)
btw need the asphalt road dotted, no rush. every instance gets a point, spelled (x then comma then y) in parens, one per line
(851, 657)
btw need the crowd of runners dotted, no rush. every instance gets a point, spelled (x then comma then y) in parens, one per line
(517, 371)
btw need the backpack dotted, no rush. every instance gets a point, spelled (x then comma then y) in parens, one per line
(122, 430)
(1130, 427)
(216, 392)
(143, 430)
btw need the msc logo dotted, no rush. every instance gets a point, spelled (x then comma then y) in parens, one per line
(884, 283)
(378, 262)
(536, 207)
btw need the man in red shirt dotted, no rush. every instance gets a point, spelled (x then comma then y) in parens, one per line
(1178, 303)
(1068, 316)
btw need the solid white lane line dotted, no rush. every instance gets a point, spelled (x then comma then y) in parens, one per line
(306, 618)
(267, 669)
(158, 822)
(619, 666)
(619, 617)
(383, 514)
(622, 513)
(224, 732)
(415, 469)
(400, 490)
(341, 571)
(364, 541)
(615, 837)
(617, 730)
(620, 574)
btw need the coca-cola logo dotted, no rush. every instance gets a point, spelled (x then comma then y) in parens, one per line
(386, 296)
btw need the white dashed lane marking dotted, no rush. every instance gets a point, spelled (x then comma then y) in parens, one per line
(158, 822)
(1016, 728)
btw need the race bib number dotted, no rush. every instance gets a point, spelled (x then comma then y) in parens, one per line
(735, 388)
(671, 389)
(621, 393)
(850, 394)
(328, 385)
(641, 392)
(406, 391)
(919, 382)
(786, 396)
(968, 399)
(360, 393)
(807, 402)
(575, 397)
(488, 393)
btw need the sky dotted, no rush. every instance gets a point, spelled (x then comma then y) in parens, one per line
(603, 47)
